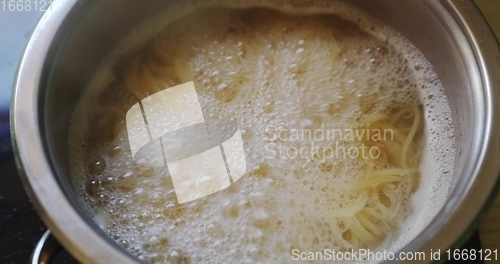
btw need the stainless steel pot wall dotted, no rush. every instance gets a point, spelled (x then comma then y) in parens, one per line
(70, 40)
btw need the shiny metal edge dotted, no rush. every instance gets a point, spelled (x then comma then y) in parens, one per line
(33, 164)
(45, 249)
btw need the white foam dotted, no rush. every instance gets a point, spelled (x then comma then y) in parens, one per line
(292, 79)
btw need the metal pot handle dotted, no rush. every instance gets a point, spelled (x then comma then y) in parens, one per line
(45, 249)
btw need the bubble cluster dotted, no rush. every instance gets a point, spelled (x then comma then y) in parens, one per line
(263, 66)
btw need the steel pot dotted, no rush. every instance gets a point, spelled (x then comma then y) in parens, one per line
(70, 40)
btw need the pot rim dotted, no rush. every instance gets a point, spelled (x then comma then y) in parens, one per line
(88, 246)
(34, 166)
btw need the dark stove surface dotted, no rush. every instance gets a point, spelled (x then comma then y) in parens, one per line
(20, 226)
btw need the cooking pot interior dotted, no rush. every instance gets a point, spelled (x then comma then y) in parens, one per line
(94, 28)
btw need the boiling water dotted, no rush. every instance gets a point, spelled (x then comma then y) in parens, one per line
(278, 66)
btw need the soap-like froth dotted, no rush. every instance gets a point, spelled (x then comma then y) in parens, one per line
(267, 70)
